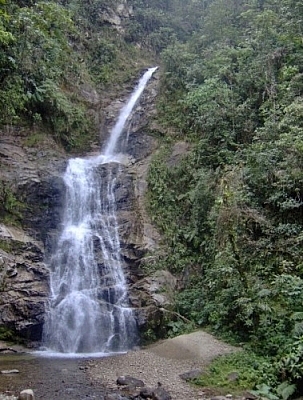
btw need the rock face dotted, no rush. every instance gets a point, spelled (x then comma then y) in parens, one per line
(33, 179)
(115, 14)
(34, 176)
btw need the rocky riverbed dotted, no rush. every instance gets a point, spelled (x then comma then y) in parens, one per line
(164, 365)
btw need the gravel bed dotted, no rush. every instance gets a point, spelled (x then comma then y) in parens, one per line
(162, 362)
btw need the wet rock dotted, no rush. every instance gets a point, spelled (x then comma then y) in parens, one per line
(26, 394)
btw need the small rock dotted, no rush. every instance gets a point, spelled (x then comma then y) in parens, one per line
(160, 394)
(7, 350)
(193, 374)
(129, 381)
(131, 392)
(11, 272)
(233, 376)
(26, 394)
(229, 396)
(10, 371)
(146, 393)
(8, 395)
(218, 398)
(249, 396)
(113, 396)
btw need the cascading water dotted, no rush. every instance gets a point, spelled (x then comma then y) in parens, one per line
(89, 311)
(126, 112)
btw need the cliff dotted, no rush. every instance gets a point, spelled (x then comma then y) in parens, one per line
(32, 176)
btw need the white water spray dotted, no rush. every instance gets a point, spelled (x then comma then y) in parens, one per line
(89, 311)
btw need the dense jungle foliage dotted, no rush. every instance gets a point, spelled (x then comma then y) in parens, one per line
(52, 51)
(232, 208)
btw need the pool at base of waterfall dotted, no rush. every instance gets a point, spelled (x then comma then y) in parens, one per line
(49, 377)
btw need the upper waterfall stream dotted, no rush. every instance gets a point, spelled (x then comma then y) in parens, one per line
(89, 310)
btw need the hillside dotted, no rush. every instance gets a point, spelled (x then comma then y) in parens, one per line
(231, 206)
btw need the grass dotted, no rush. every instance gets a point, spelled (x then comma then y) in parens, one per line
(236, 372)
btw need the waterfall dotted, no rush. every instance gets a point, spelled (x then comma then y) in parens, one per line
(126, 111)
(88, 309)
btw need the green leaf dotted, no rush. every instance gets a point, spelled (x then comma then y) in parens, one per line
(285, 390)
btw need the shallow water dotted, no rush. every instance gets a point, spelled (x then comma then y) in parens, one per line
(50, 377)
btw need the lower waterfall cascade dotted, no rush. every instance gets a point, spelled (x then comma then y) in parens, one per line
(88, 309)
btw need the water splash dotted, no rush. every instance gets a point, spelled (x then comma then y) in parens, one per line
(89, 310)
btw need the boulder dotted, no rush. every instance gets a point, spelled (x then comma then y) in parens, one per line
(151, 296)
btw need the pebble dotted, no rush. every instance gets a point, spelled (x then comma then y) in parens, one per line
(26, 394)
(7, 396)
(10, 371)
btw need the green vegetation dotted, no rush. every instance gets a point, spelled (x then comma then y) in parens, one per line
(238, 371)
(7, 334)
(231, 210)
(51, 53)
(10, 207)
